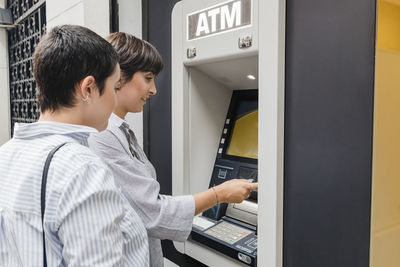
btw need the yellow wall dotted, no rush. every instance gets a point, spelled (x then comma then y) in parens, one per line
(388, 26)
(385, 220)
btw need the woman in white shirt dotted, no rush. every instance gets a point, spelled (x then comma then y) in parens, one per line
(165, 217)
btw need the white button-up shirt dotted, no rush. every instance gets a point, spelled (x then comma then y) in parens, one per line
(87, 221)
(165, 217)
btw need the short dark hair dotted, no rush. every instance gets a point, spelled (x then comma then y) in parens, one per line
(135, 55)
(65, 56)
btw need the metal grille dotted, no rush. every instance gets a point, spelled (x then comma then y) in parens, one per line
(30, 17)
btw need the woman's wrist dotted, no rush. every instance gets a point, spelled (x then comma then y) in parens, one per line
(216, 195)
(219, 190)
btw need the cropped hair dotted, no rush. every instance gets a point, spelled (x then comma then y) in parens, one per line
(135, 55)
(66, 55)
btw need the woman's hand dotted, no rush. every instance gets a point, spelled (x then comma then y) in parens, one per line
(235, 190)
(232, 191)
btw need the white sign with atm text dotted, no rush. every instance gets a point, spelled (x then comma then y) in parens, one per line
(219, 18)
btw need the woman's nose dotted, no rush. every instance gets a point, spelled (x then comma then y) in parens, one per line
(153, 89)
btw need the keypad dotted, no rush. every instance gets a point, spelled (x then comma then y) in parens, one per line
(228, 232)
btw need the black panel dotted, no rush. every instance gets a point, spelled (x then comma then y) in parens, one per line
(328, 132)
(114, 16)
(21, 44)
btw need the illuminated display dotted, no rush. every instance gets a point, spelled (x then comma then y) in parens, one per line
(244, 140)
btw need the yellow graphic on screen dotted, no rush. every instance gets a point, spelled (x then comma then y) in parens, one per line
(244, 141)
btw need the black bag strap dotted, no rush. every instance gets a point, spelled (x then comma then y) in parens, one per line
(43, 195)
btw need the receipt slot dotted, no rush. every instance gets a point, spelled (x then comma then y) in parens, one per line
(227, 122)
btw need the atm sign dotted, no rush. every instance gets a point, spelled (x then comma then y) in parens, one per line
(220, 18)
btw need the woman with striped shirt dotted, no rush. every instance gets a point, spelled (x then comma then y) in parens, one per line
(87, 222)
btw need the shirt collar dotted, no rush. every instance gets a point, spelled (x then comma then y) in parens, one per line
(116, 121)
(31, 130)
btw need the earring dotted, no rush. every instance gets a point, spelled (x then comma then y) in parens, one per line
(86, 99)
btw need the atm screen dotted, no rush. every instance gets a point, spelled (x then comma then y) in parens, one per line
(244, 138)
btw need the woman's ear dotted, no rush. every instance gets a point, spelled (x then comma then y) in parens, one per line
(86, 88)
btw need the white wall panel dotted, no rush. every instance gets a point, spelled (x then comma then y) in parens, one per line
(5, 129)
(97, 16)
(72, 15)
(3, 48)
(93, 14)
(56, 8)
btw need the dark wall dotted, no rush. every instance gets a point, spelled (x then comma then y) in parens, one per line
(328, 125)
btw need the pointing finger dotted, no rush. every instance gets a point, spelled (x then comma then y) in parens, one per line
(254, 186)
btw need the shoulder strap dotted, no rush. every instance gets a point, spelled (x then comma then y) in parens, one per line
(43, 194)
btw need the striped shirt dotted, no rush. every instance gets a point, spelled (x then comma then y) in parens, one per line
(87, 221)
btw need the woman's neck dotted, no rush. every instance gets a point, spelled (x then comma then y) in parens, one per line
(64, 115)
(120, 112)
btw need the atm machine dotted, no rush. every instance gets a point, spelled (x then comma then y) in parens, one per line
(227, 122)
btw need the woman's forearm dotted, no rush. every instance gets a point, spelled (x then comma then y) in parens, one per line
(204, 200)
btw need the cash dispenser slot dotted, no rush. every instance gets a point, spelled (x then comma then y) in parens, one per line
(245, 212)
(232, 229)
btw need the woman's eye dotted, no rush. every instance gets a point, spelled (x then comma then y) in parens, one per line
(149, 78)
